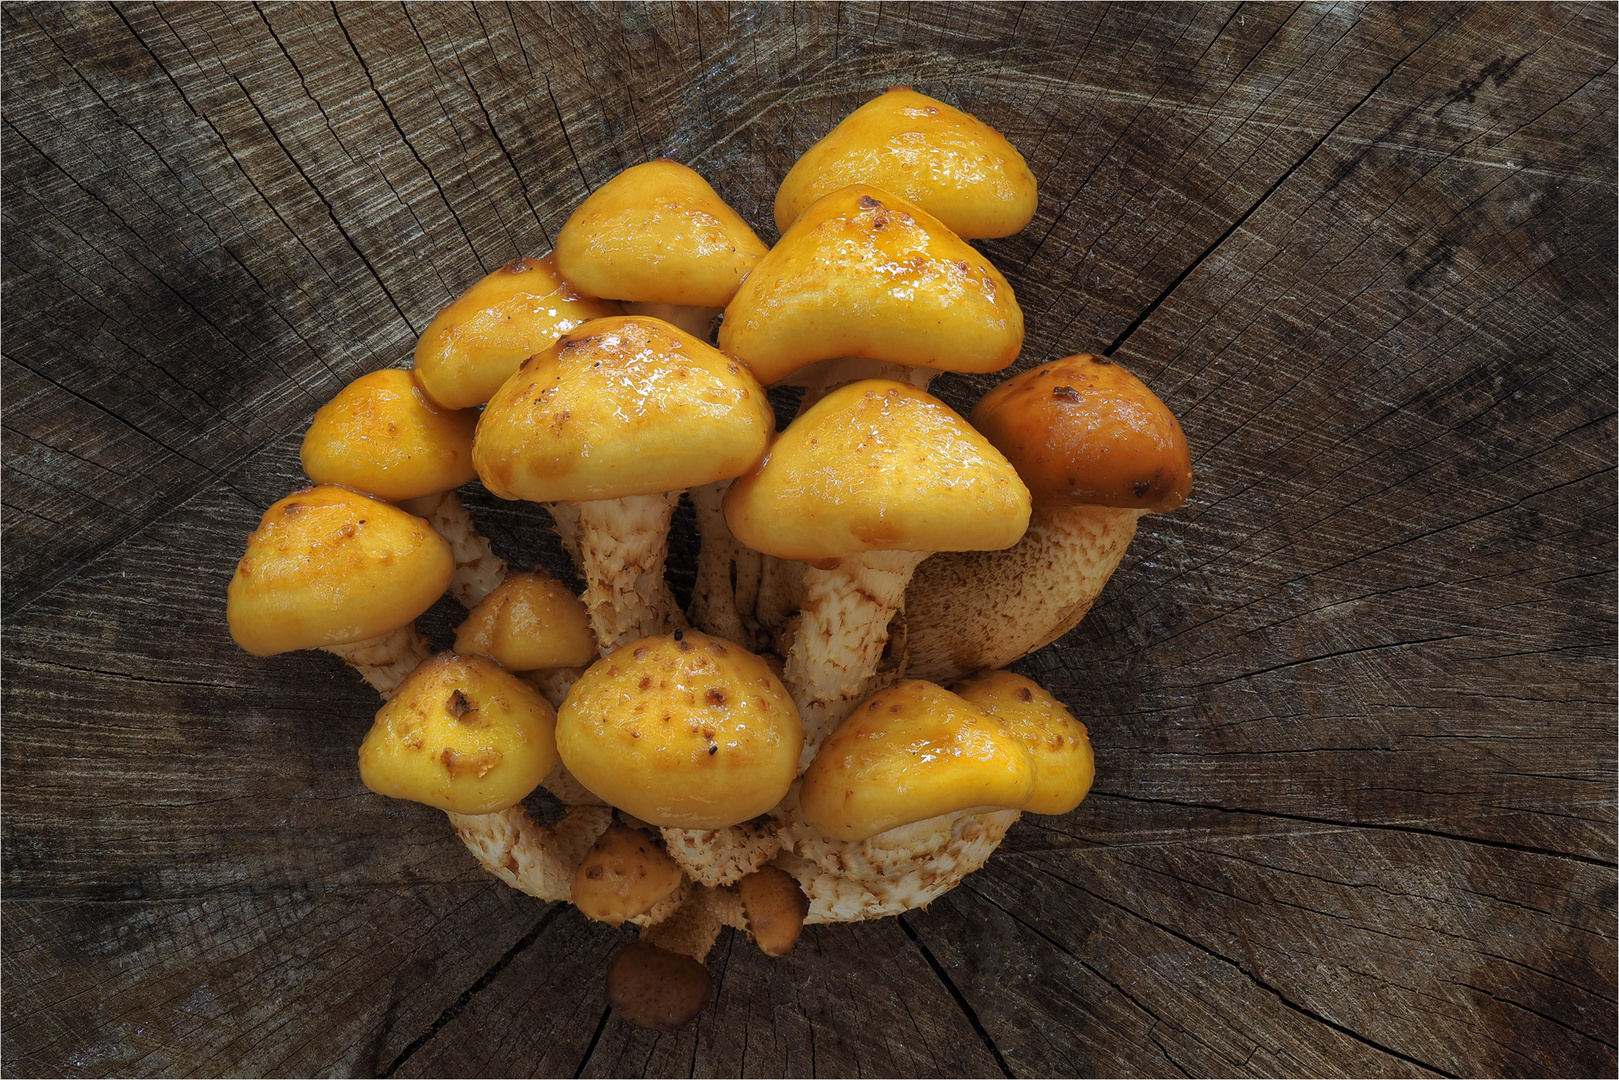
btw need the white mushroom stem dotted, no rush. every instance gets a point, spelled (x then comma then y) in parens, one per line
(537, 859)
(820, 379)
(565, 520)
(696, 321)
(727, 585)
(781, 584)
(384, 661)
(717, 857)
(839, 641)
(622, 546)
(478, 570)
(554, 683)
(971, 610)
(693, 927)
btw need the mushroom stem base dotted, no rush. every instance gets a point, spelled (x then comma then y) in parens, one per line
(537, 859)
(727, 585)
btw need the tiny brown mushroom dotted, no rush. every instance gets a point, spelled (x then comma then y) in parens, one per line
(775, 907)
(624, 876)
(654, 988)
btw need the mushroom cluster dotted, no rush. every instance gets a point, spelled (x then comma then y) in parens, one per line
(786, 751)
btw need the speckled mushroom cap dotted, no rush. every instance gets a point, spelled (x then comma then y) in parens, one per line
(953, 165)
(1058, 744)
(658, 233)
(328, 566)
(477, 342)
(911, 752)
(382, 435)
(682, 730)
(865, 273)
(619, 407)
(878, 465)
(1082, 431)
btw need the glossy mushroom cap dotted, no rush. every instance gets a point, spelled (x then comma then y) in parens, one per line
(658, 233)
(382, 434)
(878, 465)
(864, 273)
(911, 752)
(328, 566)
(1083, 431)
(619, 407)
(1059, 745)
(683, 731)
(530, 622)
(954, 166)
(463, 735)
(476, 343)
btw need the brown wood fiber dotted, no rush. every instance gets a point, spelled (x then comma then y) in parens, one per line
(1353, 705)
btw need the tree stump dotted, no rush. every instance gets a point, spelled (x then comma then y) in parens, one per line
(1353, 706)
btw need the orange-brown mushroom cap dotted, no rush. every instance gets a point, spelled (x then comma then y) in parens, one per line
(1082, 431)
(383, 435)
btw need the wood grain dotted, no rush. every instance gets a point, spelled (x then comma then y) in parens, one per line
(1353, 705)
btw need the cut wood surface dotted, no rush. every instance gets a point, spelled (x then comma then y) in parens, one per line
(1353, 705)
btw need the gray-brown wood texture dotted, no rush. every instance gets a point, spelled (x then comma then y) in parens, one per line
(1353, 705)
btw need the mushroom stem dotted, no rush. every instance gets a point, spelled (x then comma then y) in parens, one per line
(821, 378)
(478, 570)
(694, 926)
(696, 321)
(622, 547)
(839, 641)
(727, 586)
(716, 857)
(971, 610)
(781, 582)
(565, 520)
(537, 859)
(384, 661)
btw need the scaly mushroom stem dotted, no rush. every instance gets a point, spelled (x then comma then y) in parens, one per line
(537, 859)
(622, 547)
(821, 378)
(971, 610)
(781, 584)
(727, 586)
(384, 661)
(478, 570)
(565, 520)
(554, 683)
(691, 930)
(717, 857)
(839, 642)
(696, 321)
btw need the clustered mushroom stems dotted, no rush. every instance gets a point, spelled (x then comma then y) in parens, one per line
(478, 570)
(620, 547)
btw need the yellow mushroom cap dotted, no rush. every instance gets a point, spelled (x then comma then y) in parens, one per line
(1082, 431)
(530, 622)
(953, 165)
(907, 753)
(683, 731)
(864, 273)
(878, 465)
(463, 735)
(624, 875)
(328, 566)
(1059, 745)
(619, 407)
(381, 434)
(476, 343)
(658, 233)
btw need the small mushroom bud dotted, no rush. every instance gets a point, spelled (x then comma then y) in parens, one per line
(1064, 765)
(654, 988)
(775, 908)
(910, 752)
(463, 735)
(328, 566)
(951, 164)
(626, 874)
(476, 343)
(531, 622)
(381, 434)
(683, 731)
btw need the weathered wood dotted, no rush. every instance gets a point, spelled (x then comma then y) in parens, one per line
(1354, 705)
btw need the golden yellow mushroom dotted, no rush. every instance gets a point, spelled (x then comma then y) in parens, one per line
(865, 273)
(911, 752)
(1059, 745)
(476, 343)
(327, 567)
(381, 434)
(530, 622)
(683, 731)
(463, 735)
(951, 164)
